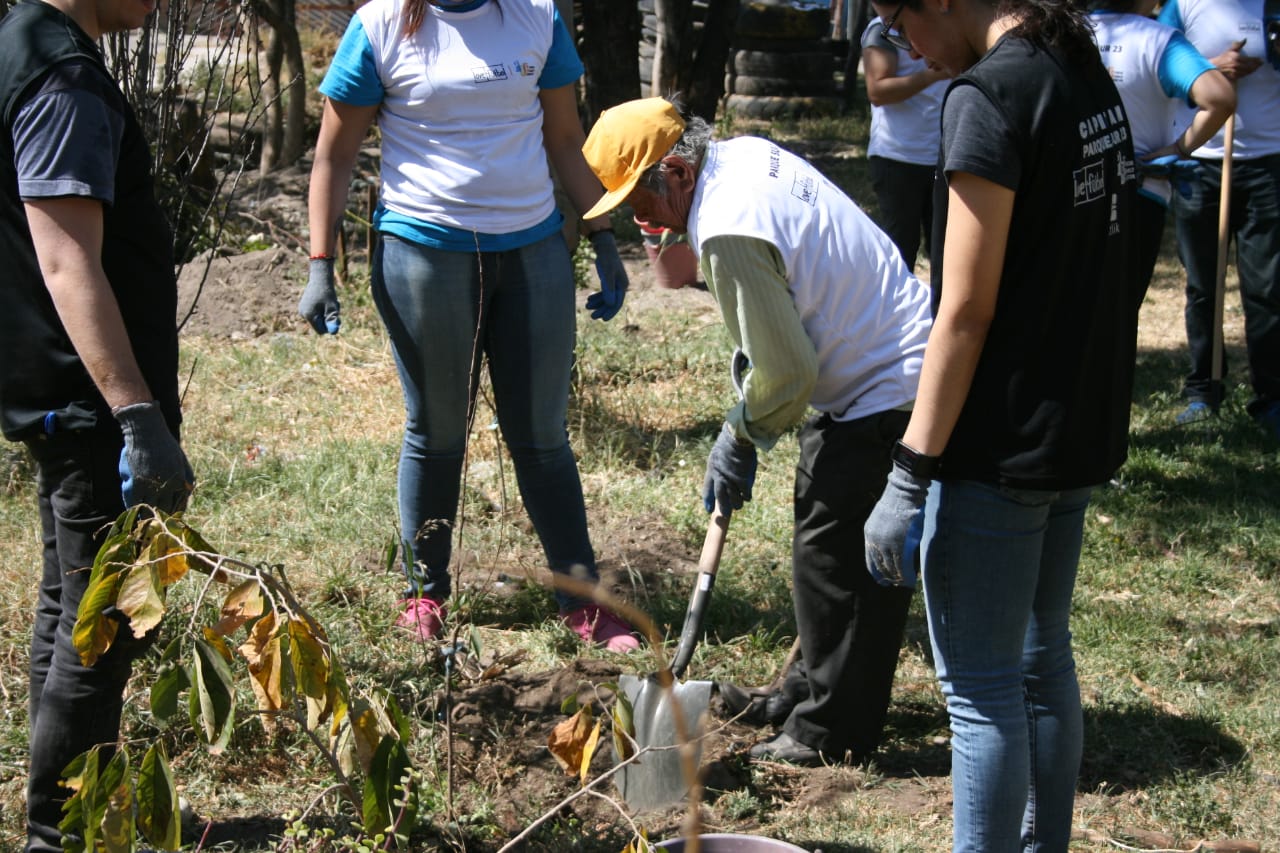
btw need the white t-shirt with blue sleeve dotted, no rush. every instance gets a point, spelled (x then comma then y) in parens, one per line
(1154, 68)
(462, 146)
(1213, 26)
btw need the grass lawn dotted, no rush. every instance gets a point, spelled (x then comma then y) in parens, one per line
(294, 440)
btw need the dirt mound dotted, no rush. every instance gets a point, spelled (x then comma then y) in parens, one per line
(242, 296)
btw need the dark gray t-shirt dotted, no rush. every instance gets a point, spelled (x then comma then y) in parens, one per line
(66, 138)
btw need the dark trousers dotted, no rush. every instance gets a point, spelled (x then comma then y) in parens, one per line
(72, 707)
(850, 627)
(1151, 215)
(1255, 225)
(904, 192)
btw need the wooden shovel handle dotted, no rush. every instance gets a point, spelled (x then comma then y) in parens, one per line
(708, 564)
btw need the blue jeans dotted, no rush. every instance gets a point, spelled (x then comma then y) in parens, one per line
(999, 566)
(443, 311)
(1255, 224)
(71, 707)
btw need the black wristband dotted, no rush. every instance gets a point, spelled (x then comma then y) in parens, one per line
(914, 462)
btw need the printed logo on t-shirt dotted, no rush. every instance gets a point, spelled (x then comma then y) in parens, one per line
(805, 188)
(1103, 131)
(1090, 183)
(488, 73)
(524, 69)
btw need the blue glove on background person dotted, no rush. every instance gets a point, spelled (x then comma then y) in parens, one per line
(607, 302)
(319, 302)
(153, 468)
(1181, 173)
(731, 472)
(894, 529)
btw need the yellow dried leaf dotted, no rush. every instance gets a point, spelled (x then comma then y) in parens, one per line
(243, 603)
(569, 738)
(311, 664)
(218, 641)
(140, 599)
(588, 751)
(266, 665)
(166, 553)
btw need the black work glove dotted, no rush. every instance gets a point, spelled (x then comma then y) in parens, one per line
(894, 528)
(731, 472)
(153, 468)
(319, 302)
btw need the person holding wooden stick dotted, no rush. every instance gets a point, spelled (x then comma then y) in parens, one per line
(1156, 69)
(1232, 33)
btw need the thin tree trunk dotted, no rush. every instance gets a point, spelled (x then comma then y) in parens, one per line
(609, 35)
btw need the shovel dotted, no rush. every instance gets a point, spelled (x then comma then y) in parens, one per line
(657, 778)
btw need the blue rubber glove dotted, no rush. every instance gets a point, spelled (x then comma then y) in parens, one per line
(153, 468)
(607, 302)
(319, 302)
(1183, 174)
(894, 528)
(731, 472)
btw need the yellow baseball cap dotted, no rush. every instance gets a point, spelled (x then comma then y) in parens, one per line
(626, 140)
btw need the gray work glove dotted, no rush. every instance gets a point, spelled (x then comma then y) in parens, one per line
(604, 304)
(894, 529)
(319, 302)
(731, 472)
(153, 468)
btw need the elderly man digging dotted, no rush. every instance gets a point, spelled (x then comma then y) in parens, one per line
(819, 300)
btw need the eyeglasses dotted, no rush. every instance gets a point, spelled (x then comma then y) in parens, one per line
(899, 41)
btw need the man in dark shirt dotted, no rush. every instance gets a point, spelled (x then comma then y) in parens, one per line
(88, 352)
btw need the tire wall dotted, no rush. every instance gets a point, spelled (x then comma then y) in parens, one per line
(781, 64)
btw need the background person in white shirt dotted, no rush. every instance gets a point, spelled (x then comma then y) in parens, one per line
(906, 115)
(1155, 69)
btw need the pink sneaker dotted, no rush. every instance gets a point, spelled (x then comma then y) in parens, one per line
(424, 616)
(595, 624)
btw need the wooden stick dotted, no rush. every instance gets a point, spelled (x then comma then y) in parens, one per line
(1224, 240)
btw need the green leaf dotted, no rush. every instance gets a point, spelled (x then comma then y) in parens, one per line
(387, 803)
(624, 727)
(403, 727)
(159, 817)
(172, 650)
(212, 697)
(94, 632)
(118, 835)
(81, 776)
(170, 682)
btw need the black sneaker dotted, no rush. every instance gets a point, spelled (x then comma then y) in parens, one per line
(783, 747)
(741, 705)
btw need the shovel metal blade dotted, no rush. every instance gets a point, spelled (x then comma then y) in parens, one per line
(656, 778)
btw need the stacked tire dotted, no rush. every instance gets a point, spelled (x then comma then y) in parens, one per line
(649, 38)
(781, 65)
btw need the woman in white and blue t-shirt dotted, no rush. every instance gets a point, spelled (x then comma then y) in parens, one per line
(902, 150)
(1156, 69)
(473, 98)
